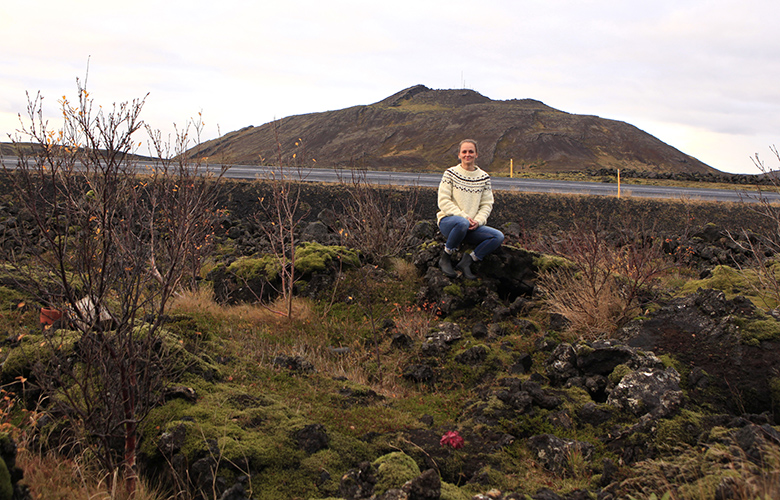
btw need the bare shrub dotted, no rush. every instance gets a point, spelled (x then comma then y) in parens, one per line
(280, 217)
(609, 273)
(377, 222)
(763, 249)
(107, 247)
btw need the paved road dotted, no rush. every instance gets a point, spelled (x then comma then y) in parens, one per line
(739, 193)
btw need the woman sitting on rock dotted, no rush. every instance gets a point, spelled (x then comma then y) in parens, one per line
(465, 203)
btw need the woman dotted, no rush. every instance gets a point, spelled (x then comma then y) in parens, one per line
(465, 203)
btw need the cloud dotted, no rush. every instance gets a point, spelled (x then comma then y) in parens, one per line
(699, 74)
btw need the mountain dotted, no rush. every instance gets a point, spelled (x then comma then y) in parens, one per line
(419, 129)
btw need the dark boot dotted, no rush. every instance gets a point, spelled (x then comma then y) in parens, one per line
(445, 264)
(465, 266)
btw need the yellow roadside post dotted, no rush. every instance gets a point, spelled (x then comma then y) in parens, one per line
(618, 183)
(511, 168)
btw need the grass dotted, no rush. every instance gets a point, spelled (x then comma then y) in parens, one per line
(51, 476)
(257, 333)
(250, 336)
(698, 473)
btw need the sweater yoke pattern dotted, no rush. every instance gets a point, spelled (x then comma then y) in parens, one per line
(467, 184)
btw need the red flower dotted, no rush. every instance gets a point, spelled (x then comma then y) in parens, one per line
(452, 439)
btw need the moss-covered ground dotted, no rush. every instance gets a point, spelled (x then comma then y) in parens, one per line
(294, 431)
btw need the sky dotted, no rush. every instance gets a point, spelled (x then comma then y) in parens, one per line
(701, 75)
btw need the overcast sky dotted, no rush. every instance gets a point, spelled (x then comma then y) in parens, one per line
(701, 75)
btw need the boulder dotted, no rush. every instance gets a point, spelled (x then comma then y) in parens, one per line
(427, 486)
(312, 438)
(504, 276)
(648, 391)
(358, 483)
(705, 332)
(419, 373)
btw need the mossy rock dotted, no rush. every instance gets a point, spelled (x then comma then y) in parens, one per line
(451, 492)
(683, 428)
(547, 262)
(37, 349)
(754, 331)
(454, 290)
(312, 257)
(179, 359)
(618, 373)
(393, 470)
(733, 282)
(257, 431)
(252, 268)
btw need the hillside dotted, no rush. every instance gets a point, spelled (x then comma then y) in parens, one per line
(419, 129)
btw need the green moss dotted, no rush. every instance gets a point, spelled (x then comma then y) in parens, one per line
(670, 362)
(343, 453)
(718, 435)
(451, 492)
(546, 262)
(428, 244)
(250, 268)
(706, 486)
(618, 373)
(584, 349)
(244, 424)
(724, 278)
(754, 331)
(733, 282)
(248, 425)
(454, 290)
(683, 428)
(34, 349)
(10, 296)
(312, 257)
(6, 488)
(393, 470)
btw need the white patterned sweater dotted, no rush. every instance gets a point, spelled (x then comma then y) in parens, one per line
(466, 193)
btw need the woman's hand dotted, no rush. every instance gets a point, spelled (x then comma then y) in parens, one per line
(473, 224)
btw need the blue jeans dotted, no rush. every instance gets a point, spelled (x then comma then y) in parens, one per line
(456, 230)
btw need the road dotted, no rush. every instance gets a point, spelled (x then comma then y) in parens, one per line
(738, 194)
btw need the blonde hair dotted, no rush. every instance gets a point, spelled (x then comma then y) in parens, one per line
(472, 141)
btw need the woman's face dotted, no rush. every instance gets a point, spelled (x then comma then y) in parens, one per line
(467, 154)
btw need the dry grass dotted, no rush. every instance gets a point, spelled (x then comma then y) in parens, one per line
(594, 309)
(53, 477)
(256, 331)
(609, 277)
(202, 302)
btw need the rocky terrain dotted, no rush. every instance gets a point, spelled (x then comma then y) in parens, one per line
(419, 129)
(495, 398)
